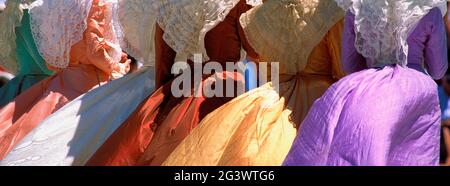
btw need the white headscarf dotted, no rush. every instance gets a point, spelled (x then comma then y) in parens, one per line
(59, 24)
(286, 31)
(383, 26)
(186, 23)
(138, 18)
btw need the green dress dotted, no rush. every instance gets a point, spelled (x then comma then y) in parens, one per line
(32, 67)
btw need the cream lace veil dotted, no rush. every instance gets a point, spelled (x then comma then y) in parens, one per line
(59, 24)
(186, 22)
(138, 18)
(286, 31)
(383, 26)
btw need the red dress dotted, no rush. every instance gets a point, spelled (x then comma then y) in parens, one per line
(162, 121)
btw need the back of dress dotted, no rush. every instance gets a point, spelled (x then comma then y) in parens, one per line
(427, 48)
(386, 112)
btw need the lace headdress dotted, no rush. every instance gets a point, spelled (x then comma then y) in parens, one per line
(138, 18)
(59, 24)
(383, 26)
(286, 31)
(186, 23)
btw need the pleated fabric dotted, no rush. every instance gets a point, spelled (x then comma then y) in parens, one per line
(75, 132)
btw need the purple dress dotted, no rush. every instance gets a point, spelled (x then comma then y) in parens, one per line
(379, 116)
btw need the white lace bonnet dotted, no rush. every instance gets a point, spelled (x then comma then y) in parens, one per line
(59, 24)
(383, 26)
(138, 18)
(186, 23)
(286, 31)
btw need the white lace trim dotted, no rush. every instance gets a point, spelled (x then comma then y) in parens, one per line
(186, 23)
(138, 18)
(286, 31)
(58, 25)
(382, 27)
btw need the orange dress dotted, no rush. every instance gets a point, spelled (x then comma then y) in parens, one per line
(162, 121)
(258, 128)
(90, 66)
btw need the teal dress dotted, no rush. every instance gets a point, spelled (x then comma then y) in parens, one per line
(32, 68)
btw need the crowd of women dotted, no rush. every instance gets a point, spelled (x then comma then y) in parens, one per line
(94, 82)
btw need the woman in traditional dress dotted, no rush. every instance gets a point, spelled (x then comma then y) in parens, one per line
(19, 54)
(86, 128)
(387, 111)
(91, 118)
(258, 128)
(184, 29)
(78, 40)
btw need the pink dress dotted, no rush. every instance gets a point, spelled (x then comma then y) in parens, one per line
(90, 66)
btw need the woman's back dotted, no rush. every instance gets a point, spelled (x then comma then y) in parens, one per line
(426, 53)
(325, 58)
(383, 113)
(224, 42)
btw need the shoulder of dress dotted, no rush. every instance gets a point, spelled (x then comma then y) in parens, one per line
(431, 20)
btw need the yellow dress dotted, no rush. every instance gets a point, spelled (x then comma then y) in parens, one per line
(258, 128)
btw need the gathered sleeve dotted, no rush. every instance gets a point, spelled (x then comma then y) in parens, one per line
(351, 60)
(98, 50)
(436, 57)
